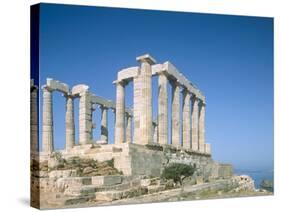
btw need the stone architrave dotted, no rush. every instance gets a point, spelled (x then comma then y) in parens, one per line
(120, 113)
(33, 118)
(194, 129)
(175, 114)
(162, 109)
(128, 128)
(202, 127)
(47, 131)
(104, 127)
(146, 98)
(69, 123)
(186, 125)
(85, 118)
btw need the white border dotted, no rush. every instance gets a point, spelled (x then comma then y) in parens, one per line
(14, 107)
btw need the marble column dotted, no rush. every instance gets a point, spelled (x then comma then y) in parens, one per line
(146, 98)
(202, 127)
(128, 128)
(120, 113)
(104, 127)
(34, 118)
(155, 132)
(194, 130)
(175, 114)
(137, 104)
(162, 109)
(85, 118)
(69, 123)
(47, 132)
(186, 126)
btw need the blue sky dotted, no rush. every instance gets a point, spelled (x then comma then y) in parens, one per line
(229, 58)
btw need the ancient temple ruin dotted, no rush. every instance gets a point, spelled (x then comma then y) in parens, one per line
(141, 148)
(190, 122)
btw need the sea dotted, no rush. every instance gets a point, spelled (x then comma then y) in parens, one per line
(257, 175)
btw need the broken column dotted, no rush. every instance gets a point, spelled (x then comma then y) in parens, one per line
(47, 131)
(104, 127)
(175, 114)
(186, 127)
(145, 75)
(162, 109)
(33, 117)
(69, 123)
(194, 130)
(120, 113)
(202, 127)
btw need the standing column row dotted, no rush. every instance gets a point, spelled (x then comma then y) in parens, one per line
(193, 116)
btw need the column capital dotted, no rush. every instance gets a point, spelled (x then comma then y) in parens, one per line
(120, 82)
(47, 88)
(186, 91)
(103, 107)
(146, 59)
(68, 95)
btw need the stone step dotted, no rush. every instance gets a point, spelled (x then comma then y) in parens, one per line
(121, 194)
(155, 188)
(86, 190)
(108, 180)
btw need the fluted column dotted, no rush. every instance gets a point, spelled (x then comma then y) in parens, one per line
(69, 123)
(128, 128)
(175, 114)
(120, 113)
(104, 127)
(85, 118)
(137, 106)
(155, 132)
(33, 118)
(146, 98)
(186, 127)
(162, 109)
(47, 133)
(202, 127)
(194, 130)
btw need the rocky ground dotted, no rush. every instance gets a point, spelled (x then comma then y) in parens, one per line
(76, 182)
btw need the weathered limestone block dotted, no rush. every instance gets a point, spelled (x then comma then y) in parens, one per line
(225, 171)
(62, 173)
(106, 180)
(69, 182)
(86, 190)
(175, 114)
